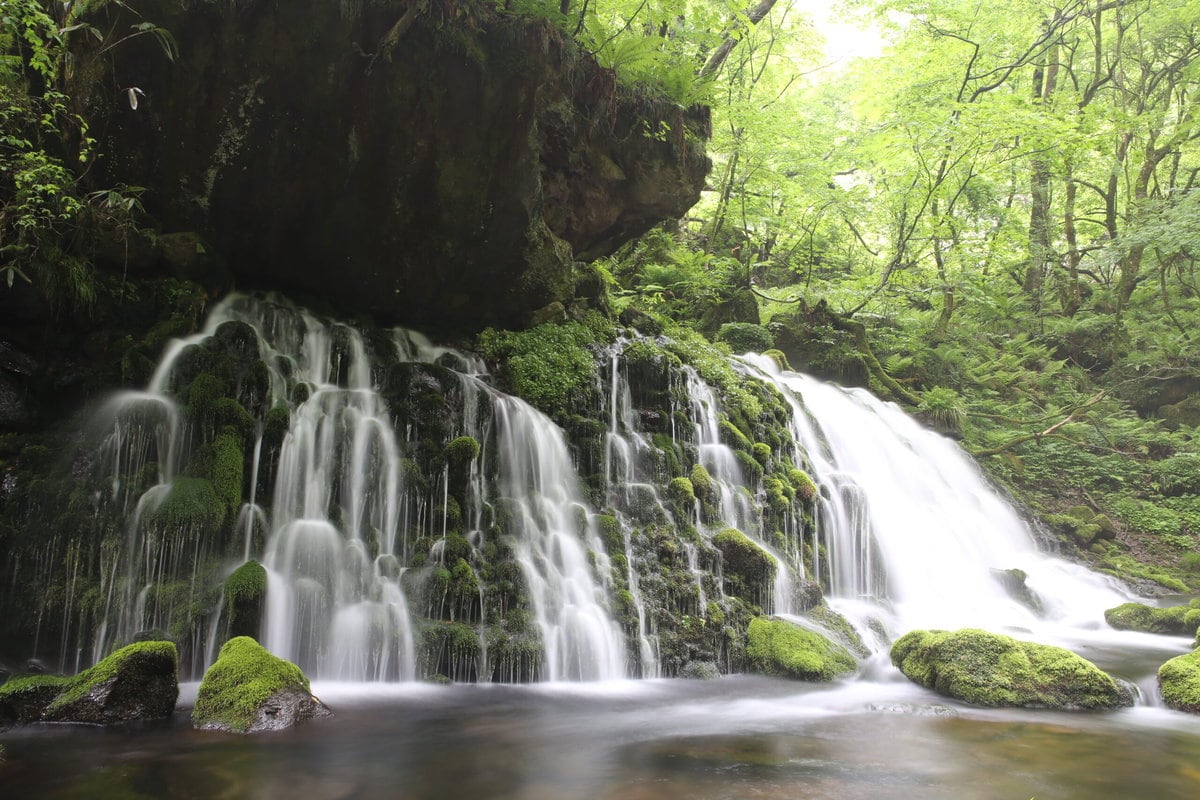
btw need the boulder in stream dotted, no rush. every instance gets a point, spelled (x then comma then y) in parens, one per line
(778, 647)
(988, 669)
(248, 690)
(137, 682)
(1172, 621)
(1179, 680)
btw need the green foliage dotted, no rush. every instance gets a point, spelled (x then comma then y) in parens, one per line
(777, 647)
(551, 366)
(744, 337)
(988, 669)
(242, 678)
(944, 407)
(48, 220)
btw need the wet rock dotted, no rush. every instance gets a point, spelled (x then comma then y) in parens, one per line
(465, 163)
(248, 690)
(138, 682)
(1013, 583)
(988, 669)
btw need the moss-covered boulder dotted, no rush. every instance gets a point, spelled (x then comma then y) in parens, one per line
(777, 647)
(1172, 621)
(988, 669)
(248, 690)
(137, 682)
(1179, 680)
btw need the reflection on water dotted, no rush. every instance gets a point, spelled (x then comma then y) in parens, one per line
(737, 737)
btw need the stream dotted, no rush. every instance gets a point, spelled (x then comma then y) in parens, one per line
(875, 736)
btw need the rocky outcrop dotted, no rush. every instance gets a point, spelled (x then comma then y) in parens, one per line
(437, 163)
(137, 682)
(248, 690)
(988, 669)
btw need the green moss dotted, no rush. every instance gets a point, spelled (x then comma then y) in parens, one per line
(191, 501)
(610, 533)
(840, 627)
(752, 471)
(227, 472)
(745, 337)
(988, 669)
(1179, 680)
(779, 358)
(802, 484)
(245, 590)
(748, 569)
(32, 683)
(462, 451)
(550, 366)
(702, 483)
(242, 678)
(733, 437)
(777, 494)
(107, 668)
(777, 647)
(681, 495)
(761, 453)
(1174, 620)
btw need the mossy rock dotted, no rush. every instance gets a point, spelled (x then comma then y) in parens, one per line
(841, 629)
(1172, 621)
(25, 699)
(989, 669)
(681, 496)
(137, 682)
(702, 484)
(247, 690)
(191, 502)
(1179, 680)
(777, 647)
(462, 451)
(245, 595)
(745, 565)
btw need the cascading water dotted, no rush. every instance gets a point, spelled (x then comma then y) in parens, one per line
(391, 555)
(912, 533)
(346, 519)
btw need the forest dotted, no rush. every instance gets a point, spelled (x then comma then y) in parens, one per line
(768, 398)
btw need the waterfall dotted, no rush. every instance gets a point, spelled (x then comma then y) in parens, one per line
(913, 533)
(348, 516)
(330, 455)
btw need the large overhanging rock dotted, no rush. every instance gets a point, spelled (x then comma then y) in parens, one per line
(432, 162)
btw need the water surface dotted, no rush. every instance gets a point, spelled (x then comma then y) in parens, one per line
(736, 737)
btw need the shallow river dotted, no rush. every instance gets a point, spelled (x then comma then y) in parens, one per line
(737, 737)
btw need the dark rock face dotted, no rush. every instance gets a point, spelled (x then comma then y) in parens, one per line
(433, 163)
(135, 683)
(138, 682)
